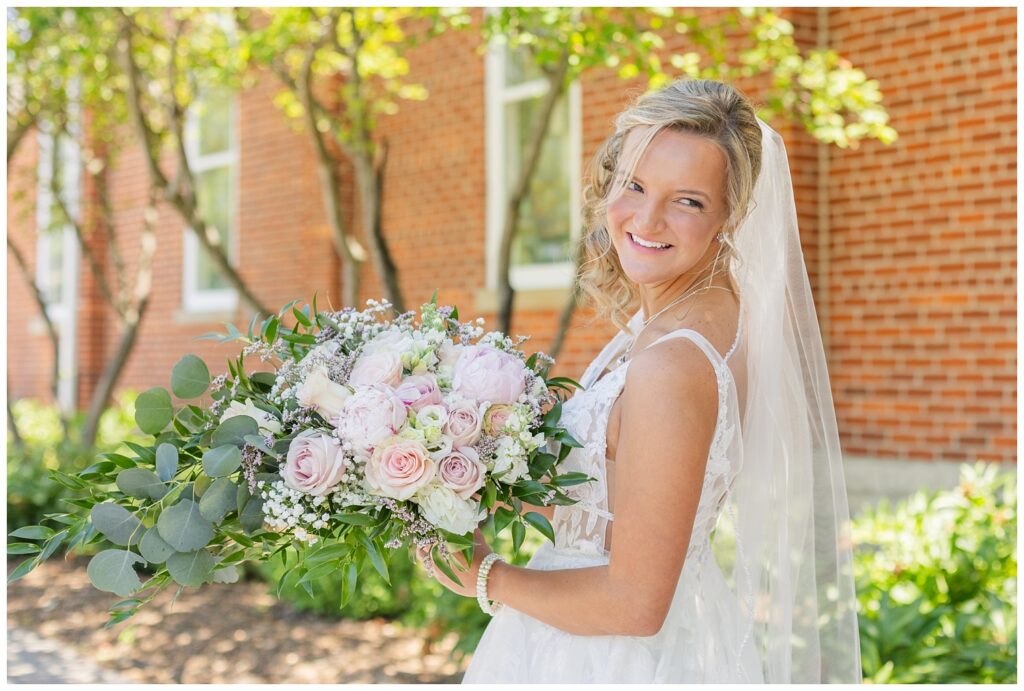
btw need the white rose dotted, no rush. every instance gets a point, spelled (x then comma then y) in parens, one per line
(268, 424)
(443, 508)
(318, 391)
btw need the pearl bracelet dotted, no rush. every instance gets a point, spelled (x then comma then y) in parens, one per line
(481, 584)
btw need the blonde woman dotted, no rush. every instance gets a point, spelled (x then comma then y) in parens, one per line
(711, 546)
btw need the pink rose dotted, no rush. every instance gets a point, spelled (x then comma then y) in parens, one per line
(419, 390)
(484, 373)
(315, 463)
(463, 424)
(399, 467)
(383, 367)
(462, 472)
(369, 416)
(495, 418)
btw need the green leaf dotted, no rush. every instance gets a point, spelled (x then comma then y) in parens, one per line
(145, 453)
(251, 517)
(375, 557)
(360, 519)
(218, 500)
(112, 571)
(190, 377)
(552, 416)
(570, 479)
(116, 523)
(222, 460)
(32, 532)
(233, 430)
(23, 568)
(540, 523)
(153, 410)
(228, 574)
(141, 483)
(302, 318)
(348, 582)
(166, 461)
(270, 335)
(445, 568)
(22, 548)
(502, 517)
(153, 547)
(183, 527)
(518, 533)
(191, 568)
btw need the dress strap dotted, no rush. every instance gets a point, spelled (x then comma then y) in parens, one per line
(697, 338)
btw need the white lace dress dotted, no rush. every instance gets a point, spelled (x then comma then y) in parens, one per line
(705, 637)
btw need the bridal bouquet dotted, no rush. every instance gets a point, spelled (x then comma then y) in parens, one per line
(372, 434)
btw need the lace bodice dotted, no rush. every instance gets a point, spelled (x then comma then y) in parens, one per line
(582, 527)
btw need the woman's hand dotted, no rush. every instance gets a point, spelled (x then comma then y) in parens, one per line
(466, 572)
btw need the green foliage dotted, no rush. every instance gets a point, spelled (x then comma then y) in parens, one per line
(936, 584)
(832, 99)
(31, 493)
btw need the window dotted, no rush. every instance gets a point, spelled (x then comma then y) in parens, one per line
(212, 149)
(550, 216)
(57, 251)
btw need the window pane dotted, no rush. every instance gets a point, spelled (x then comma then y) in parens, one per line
(543, 230)
(53, 267)
(520, 67)
(214, 197)
(214, 112)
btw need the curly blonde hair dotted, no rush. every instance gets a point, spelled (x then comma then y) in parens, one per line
(708, 108)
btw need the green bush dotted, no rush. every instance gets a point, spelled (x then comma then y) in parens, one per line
(30, 492)
(936, 584)
(413, 599)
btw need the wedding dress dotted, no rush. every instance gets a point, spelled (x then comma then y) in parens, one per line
(702, 639)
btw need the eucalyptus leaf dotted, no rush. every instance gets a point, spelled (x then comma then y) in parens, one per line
(191, 568)
(183, 527)
(116, 523)
(141, 483)
(112, 571)
(251, 518)
(233, 430)
(166, 461)
(22, 548)
(229, 574)
(154, 548)
(222, 460)
(218, 500)
(190, 377)
(153, 410)
(32, 532)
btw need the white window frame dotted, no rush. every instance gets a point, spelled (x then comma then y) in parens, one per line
(539, 276)
(195, 300)
(64, 314)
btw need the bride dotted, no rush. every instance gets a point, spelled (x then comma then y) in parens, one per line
(713, 544)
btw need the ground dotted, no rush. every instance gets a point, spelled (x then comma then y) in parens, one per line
(237, 633)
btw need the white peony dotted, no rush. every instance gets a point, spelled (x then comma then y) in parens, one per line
(443, 508)
(268, 424)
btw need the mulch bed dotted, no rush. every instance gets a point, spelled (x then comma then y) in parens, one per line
(237, 633)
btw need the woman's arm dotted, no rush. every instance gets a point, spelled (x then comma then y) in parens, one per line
(668, 418)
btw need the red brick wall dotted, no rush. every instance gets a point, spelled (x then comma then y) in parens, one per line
(912, 256)
(922, 289)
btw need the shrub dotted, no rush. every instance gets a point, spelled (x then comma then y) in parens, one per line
(31, 493)
(936, 584)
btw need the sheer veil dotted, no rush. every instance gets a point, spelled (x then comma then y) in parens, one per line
(792, 569)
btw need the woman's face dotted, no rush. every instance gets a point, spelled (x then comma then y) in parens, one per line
(675, 201)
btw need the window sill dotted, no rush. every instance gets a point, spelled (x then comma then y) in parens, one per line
(189, 317)
(546, 299)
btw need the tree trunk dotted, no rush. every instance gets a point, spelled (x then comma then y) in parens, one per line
(111, 373)
(12, 426)
(519, 192)
(564, 321)
(51, 330)
(370, 179)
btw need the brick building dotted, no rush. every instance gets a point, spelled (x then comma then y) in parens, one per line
(911, 247)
